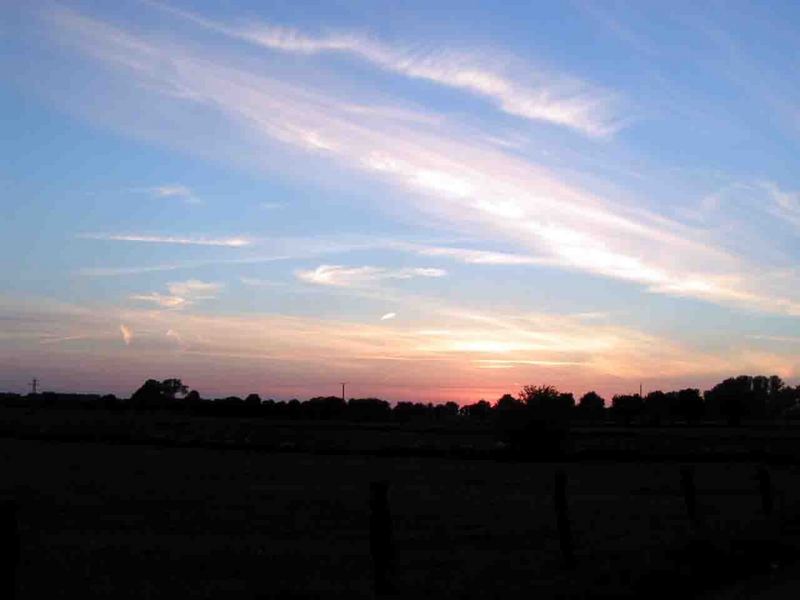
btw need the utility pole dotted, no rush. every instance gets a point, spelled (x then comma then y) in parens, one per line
(34, 383)
(344, 383)
(640, 390)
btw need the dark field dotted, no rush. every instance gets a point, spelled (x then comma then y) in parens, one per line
(757, 441)
(137, 521)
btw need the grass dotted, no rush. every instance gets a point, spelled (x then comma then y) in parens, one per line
(121, 521)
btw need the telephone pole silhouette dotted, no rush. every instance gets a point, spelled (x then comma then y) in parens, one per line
(344, 383)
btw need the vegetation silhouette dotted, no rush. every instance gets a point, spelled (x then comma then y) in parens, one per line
(734, 401)
(591, 407)
(538, 422)
(157, 394)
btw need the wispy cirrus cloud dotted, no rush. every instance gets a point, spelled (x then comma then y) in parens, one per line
(182, 294)
(569, 103)
(162, 300)
(478, 257)
(452, 177)
(784, 204)
(174, 190)
(50, 339)
(174, 335)
(195, 289)
(784, 339)
(494, 363)
(263, 283)
(127, 334)
(273, 250)
(338, 275)
(517, 89)
(234, 242)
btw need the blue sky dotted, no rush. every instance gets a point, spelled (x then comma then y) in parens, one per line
(432, 202)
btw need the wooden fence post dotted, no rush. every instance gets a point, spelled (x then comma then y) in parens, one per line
(689, 493)
(765, 488)
(380, 536)
(9, 549)
(562, 519)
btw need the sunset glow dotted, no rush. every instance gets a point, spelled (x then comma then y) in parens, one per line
(274, 199)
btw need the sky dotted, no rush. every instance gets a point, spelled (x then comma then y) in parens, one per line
(430, 201)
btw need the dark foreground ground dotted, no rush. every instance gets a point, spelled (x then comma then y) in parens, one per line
(758, 441)
(103, 520)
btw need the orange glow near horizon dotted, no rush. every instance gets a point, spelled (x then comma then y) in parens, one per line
(464, 358)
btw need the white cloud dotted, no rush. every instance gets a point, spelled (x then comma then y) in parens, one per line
(127, 334)
(338, 275)
(787, 339)
(235, 242)
(182, 294)
(179, 191)
(49, 339)
(263, 283)
(283, 249)
(174, 335)
(785, 205)
(488, 363)
(479, 257)
(392, 113)
(195, 289)
(162, 300)
(388, 316)
(170, 191)
(457, 180)
(518, 89)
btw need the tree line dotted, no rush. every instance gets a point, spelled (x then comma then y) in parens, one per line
(733, 401)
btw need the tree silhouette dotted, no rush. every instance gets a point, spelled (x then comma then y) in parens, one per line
(449, 409)
(508, 402)
(157, 394)
(537, 410)
(480, 411)
(538, 396)
(192, 399)
(324, 407)
(730, 398)
(537, 423)
(658, 407)
(781, 397)
(690, 405)
(368, 409)
(591, 406)
(626, 408)
(150, 395)
(173, 387)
